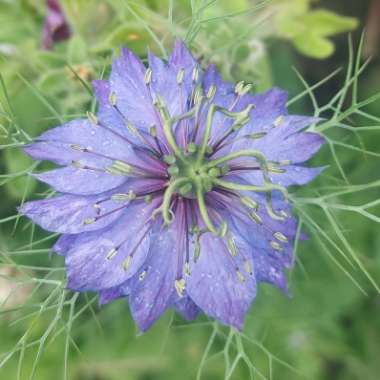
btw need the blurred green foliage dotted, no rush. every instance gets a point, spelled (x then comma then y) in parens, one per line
(327, 330)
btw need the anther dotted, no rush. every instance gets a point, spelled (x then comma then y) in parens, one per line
(180, 76)
(111, 254)
(248, 267)
(132, 195)
(88, 221)
(186, 268)
(232, 247)
(284, 163)
(276, 246)
(198, 95)
(112, 99)
(278, 121)
(93, 119)
(249, 202)
(197, 249)
(148, 199)
(281, 237)
(275, 169)
(132, 129)
(127, 263)
(180, 286)
(77, 147)
(120, 197)
(195, 74)
(211, 92)
(240, 276)
(256, 217)
(77, 165)
(239, 87)
(119, 168)
(257, 135)
(153, 131)
(142, 275)
(148, 76)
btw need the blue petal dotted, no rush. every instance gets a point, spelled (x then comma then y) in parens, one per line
(293, 175)
(111, 294)
(83, 133)
(97, 260)
(133, 97)
(214, 283)
(80, 181)
(108, 115)
(67, 213)
(187, 308)
(153, 289)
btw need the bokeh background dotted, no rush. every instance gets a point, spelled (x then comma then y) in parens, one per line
(318, 51)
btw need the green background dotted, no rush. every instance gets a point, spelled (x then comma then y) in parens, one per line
(330, 327)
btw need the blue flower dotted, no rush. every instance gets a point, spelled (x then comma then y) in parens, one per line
(174, 194)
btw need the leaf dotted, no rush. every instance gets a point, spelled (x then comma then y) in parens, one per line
(77, 50)
(313, 45)
(326, 23)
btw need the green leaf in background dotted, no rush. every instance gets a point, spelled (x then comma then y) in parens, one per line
(309, 29)
(313, 45)
(76, 50)
(17, 161)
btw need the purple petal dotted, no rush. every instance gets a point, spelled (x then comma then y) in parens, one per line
(214, 283)
(132, 94)
(107, 258)
(109, 295)
(58, 144)
(153, 290)
(80, 181)
(293, 175)
(187, 308)
(67, 213)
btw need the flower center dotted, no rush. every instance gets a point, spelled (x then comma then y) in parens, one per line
(193, 172)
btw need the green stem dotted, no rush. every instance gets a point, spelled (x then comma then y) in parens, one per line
(206, 135)
(167, 127)
(242, 153)
(239, 187)
(203, 209)
(169, 192)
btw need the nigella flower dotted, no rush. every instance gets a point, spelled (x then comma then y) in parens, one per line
(174, 194)
(56, 27)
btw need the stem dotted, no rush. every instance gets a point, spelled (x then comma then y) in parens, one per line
(203, 209)
(241, 153)
(167, 127)
(260, 189)
(206, 135)
(169, 192)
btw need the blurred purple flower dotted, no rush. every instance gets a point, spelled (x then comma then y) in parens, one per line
(56, 27)
(174, 194)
